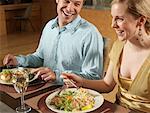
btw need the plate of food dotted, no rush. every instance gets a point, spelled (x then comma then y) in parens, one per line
(74, 100)
(6, 75)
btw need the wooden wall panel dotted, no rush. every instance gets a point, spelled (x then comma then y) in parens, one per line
(12, 10)
(48, 10)
(36, 16)
(2, 22)
(101, 19)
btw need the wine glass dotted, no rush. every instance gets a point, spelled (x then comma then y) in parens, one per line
(21, 80)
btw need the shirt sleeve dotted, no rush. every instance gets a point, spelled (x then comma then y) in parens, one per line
(92, 54)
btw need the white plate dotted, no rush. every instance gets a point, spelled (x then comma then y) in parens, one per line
(4, 82)
(10, 83)
(99, 99)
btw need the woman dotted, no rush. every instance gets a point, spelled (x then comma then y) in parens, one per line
(129, 65)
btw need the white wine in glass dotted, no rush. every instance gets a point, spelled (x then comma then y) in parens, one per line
(20, 84)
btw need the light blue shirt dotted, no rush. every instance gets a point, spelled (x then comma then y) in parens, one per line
(76, 48)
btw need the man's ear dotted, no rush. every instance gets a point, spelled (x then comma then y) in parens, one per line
(57, 1)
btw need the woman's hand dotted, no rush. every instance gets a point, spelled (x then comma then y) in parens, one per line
(73, 77)
(45, 73)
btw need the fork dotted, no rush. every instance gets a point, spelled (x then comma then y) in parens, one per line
(62, 88)
(70, 82)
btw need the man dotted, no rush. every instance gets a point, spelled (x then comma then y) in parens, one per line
(68, 44)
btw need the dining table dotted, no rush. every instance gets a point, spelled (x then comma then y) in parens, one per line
(10, 97)
(36, 95)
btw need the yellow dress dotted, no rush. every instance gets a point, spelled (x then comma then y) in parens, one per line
(133, 94)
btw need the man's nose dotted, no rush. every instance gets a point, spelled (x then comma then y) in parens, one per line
(70, 7)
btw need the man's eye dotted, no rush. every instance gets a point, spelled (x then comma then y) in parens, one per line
(66, 1)
(77, 4)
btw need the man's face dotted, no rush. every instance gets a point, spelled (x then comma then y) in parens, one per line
(68, 10)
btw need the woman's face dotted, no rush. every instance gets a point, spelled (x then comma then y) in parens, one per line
(123, 22)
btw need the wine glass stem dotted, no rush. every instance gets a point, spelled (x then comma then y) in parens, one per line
(22, 101)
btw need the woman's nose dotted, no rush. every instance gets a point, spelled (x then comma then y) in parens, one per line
(114, 24)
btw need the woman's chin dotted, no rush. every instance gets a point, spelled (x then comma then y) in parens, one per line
(121, 38)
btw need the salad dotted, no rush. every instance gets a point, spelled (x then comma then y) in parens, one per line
(70, 101)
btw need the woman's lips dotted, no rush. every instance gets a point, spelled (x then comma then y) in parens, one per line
(119, 32)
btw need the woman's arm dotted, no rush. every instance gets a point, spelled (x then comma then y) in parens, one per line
(105, 85)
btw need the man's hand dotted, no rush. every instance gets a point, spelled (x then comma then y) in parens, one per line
(10, 60)
(45, 73)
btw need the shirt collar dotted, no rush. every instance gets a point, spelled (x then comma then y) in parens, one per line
(55, 23)
(73, 26)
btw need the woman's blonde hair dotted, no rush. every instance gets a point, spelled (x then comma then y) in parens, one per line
(138, 8)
